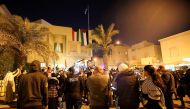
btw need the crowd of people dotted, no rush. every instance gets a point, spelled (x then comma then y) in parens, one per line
(123, 88)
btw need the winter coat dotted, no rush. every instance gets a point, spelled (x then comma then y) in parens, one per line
(127, 89)
(33, 89)
(73, 87)
(98, 89)
(169, 82)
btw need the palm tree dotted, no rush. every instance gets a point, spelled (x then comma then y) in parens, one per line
(22, 37)
(104, 40)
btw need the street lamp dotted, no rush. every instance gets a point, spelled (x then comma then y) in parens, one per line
(95, 59)
(118, 42)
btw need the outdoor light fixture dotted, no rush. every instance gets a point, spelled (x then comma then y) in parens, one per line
(186, 59)
(118, 42)
(95, 59)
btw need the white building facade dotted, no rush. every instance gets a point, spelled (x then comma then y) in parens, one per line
(176, 48)
(144, 53)
(68, 50)
(118, 54)
(61, 41)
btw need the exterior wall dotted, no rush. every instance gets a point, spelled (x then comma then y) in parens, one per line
(144, 53)
(118, 55)
(175, 48)
(71, 51)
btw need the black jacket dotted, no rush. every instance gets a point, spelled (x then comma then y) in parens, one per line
(73, 87)
(127, 89)
(33, 89)
(169, 82)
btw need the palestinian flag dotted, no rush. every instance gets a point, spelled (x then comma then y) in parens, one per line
(84, 38)
(80, 36)
(74, 35)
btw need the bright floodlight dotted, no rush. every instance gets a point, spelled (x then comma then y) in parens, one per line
(95, 59)
(118, 42)
(186, 59)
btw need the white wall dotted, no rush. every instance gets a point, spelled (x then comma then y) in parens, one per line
(144, 53)
(175, 48)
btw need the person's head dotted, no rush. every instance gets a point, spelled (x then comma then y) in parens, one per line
(53, 75)
(188, 73)
(71, 70)
(43, 70)
(49, 68)
(157, 80)
(35, 66)
(81, 72)
(122, 67)
(98, 70)
(161, 68)
(149, 70)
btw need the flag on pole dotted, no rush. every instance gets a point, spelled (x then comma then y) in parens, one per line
(85, 38)
(82, 39)
(78, 36)
(73, 35)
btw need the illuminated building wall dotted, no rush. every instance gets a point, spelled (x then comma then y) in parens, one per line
(144, 53)
(118, 54)
(176, 48)
(61, 42)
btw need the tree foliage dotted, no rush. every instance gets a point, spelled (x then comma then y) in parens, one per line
(104, 39)
(21, 37)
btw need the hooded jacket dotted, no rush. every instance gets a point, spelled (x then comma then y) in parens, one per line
(98, 89)
(33, 89)
(127, 89)
(73, 87)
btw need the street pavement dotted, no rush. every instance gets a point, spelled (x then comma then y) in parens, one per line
(176, 105)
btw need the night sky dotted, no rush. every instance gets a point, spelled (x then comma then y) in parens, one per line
(137, 20)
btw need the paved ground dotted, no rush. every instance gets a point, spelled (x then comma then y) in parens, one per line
(176, 104)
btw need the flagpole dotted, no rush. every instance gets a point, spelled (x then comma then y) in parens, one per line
(88, 18)
(89, 25)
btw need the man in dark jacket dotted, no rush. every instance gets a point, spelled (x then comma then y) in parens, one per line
(33, 89)
(169, 82)
(73, 90)
(187, 82)
(127, 88)
(97, 84)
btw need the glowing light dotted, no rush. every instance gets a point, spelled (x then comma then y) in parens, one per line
(184, 64)
(61, 65)
(42, 65)
(186, 59)
(95, 59)
(118, 42)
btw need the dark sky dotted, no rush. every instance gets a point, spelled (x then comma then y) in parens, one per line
(137, 20)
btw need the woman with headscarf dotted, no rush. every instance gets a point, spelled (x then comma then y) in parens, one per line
(153, 87)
